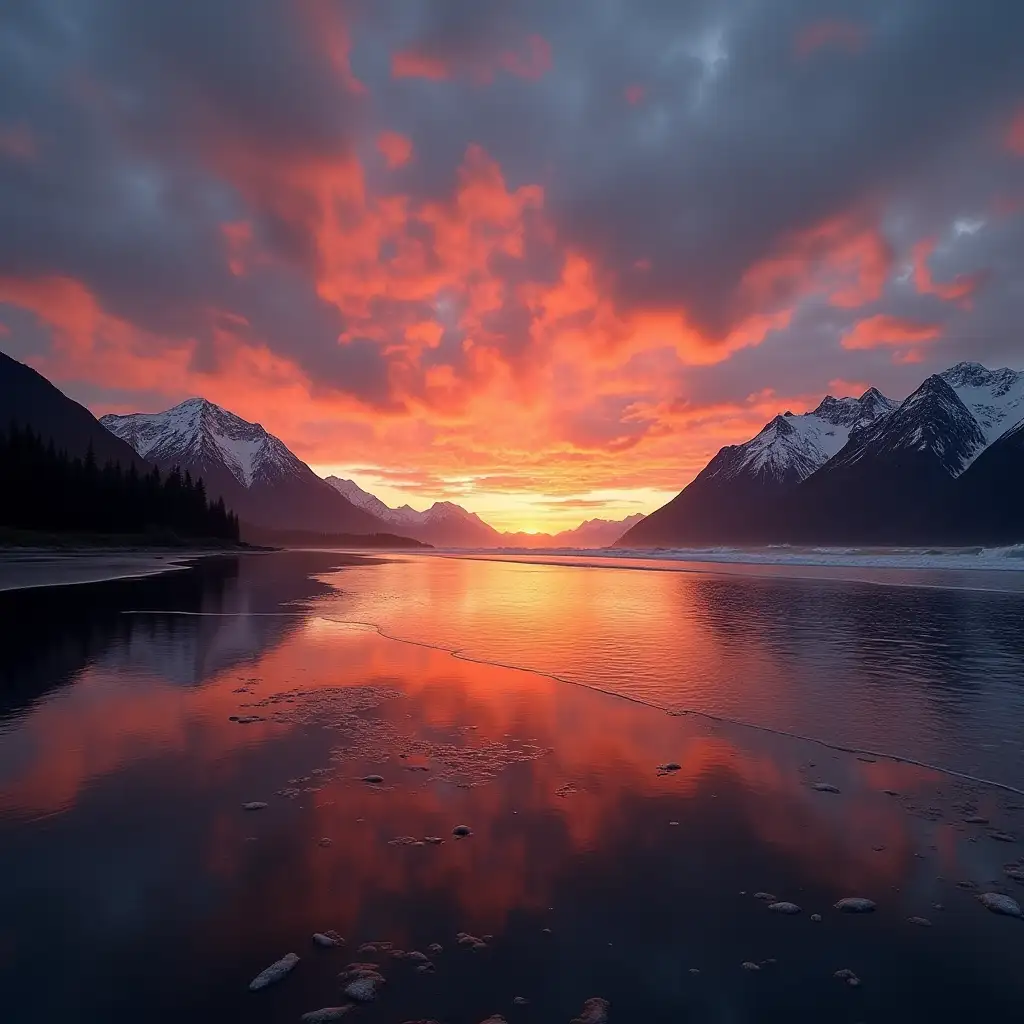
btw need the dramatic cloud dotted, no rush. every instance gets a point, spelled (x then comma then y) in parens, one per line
(500, 250)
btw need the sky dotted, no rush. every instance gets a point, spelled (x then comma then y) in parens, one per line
(539, 257)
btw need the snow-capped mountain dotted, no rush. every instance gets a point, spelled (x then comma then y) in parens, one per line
(933, 420)
(790, 448)
(444, 524)
(867, 469)
(995, 397)
(258, 477)
(200, 434)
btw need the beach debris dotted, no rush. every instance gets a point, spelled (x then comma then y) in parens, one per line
(855, 905)
(784, 908)
(436, 947)
(373, 778)
(845, 974)
(669, 766)
(1002, 837)
(461, 831)
(362, 982)
(327, 1013)
(275, 972)
(325, 841)
(328, 939)
(595, 1011)
(254, 805)
(1000, 904)
(824, 787)
(921, 922)
(520, 1001)
(749, 965)
(816, 918)
(766, 896)
(975, 819)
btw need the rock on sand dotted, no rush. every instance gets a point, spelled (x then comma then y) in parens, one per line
(595, 1011)
(784, 908)
(326, 1014)
(1000, 904)
(275, 972)
(856, 905)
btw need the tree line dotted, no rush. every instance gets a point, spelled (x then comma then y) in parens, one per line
(47, 491)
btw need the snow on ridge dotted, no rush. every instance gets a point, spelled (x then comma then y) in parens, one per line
(199, 432)
(995, 397)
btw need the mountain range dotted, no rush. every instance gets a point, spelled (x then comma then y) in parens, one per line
(445, 524)
(940, 466)
(257, 476)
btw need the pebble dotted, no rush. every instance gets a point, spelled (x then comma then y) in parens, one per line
(373, 778)
(462, 831)
(326, 1014)
(324, 841)
(848, 976)
(328, 939)
(520, 1001)
(436, 947)
(975, 819)
(363, 990)
(784, 908)
(694, 970)
(254, 805)
(433, 840)
(1000, 904)
(671, 766)
(816, 918)
(749, 965)
(1014, 871)
(766, 896)
(246, 719)
(856, 905)
(275, 972)
(922, 921)
(890, 792)
(418, 957)
(824, 787)
(595, 1011)
(495, 1018)
(673, 822)
(546, 931)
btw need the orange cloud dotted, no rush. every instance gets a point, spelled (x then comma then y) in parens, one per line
(531, 60)
(634, 94)
(395, 148)
(1014, 140)
(885, 330)
(17, 142)
(842, 257)
(237, 238)
(959, 290)
(843, 35)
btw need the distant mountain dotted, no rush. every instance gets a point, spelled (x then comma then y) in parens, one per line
(444, 524)
(591, 534)
(256, 474)
(28, 399)
(859, 470)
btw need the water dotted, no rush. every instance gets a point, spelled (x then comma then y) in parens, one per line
(136, 887)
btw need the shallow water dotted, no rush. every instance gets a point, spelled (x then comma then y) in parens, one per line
(136, 886)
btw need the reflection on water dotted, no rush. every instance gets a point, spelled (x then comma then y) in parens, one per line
(925, 673)
(144, 891)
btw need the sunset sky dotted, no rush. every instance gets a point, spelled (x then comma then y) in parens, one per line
(539, 257)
